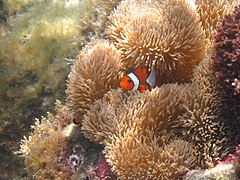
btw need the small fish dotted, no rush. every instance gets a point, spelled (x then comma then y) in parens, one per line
(140, 79)
(76, 121)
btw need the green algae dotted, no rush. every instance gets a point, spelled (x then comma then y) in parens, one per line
(15, 6)
(37, 42)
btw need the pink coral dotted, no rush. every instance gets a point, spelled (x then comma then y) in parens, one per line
(102, 171)
(232, 158)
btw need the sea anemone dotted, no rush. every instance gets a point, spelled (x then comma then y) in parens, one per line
(149, 156)
(202, 120)
(165, 35)
(211, 12)
(157, 109)
(95, 72)
(136, 130)
(101, 120)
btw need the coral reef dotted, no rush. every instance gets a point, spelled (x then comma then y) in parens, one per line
(149, 33)
(161, 133)
(101, 171)
(227, 65)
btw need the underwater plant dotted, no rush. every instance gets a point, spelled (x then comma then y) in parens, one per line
(15, 6)
(92, 25)
(32, 49)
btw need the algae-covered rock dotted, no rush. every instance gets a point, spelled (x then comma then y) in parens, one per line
(221, 172)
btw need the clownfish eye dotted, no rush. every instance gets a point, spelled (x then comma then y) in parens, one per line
(129, 80)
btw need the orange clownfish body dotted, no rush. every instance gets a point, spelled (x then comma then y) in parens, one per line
(140, 79)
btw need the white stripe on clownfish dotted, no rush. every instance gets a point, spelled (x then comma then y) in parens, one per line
(135, 80)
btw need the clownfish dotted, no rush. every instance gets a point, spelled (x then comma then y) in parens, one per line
(140, 79)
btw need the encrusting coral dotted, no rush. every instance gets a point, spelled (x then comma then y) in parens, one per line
(95, 72)
(227, 65)
(152, 34)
